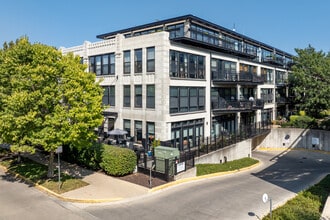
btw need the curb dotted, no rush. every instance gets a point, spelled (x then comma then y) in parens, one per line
(49, 192)
(158, 188)
(291, 149)
(190, 179)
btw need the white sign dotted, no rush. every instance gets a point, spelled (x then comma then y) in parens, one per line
(59, 150)
(265, 197)
(180, 167)
(315, 141)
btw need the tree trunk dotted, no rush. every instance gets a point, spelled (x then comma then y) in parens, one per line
(19, 158)
(50, 173)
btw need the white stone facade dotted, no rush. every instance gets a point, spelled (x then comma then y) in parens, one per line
(160, 115)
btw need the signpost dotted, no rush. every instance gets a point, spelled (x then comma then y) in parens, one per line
(265, 198)
(58, 151)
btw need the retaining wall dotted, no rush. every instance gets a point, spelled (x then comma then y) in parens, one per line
(297, 138)
(232, 152)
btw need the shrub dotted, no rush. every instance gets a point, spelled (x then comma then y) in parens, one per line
(297, 121)
(89, 157)
(118, 161)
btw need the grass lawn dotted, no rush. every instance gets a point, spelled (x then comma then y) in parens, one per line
(204, 169)
(37, 173)
(307, 205)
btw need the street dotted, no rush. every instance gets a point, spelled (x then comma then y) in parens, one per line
(233, 196)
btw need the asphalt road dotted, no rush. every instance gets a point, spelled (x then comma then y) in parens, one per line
(234, 196)
(21, 201)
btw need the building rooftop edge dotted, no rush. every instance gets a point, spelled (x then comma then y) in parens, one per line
(192, 17)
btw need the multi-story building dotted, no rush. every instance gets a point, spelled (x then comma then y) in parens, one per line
(184, 78)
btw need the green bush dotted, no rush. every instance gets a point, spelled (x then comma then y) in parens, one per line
(325, 124)
(118, 161)
(89, 157)
(297, 121)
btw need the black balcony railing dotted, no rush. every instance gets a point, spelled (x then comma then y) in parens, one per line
(281, 100)
(215, 142)
(251, 77)
(237, 106)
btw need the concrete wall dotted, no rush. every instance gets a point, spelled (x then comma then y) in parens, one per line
(297, 138)
(232, 152)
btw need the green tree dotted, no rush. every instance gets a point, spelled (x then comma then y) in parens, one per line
(311, 80)
(47, 99)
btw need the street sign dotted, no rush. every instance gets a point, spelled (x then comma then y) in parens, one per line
(265, 197)
(59, 149)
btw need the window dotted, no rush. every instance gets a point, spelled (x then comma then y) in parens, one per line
(187, 99)
(150, 96)
(102, 64)
(223, 70)
(138, 96)
(127, 62)
(98, 65)
(127, 127)
(112, 64)
(138, 130)
(150, 131)
(127, 96)
(151, 59)
(138, 60)
(267, 74)
(109, 96)
(105, 63)
(176, 30)
(185, 65)
(91, 64)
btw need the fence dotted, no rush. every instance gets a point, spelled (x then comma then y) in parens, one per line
(167, 168)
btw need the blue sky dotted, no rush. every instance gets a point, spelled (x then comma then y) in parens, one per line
(284, 24)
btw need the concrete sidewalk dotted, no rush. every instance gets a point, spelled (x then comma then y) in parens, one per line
(101, 188)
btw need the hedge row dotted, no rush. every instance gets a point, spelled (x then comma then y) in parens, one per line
(113, 160)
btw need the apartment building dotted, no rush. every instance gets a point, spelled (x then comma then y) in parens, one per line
(183, 79)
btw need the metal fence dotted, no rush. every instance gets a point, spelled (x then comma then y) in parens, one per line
(166, 169)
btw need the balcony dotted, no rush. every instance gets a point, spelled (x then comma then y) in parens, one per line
(251, 78)
(218, 46)
(278, 61)
(234, 78)
(231, 106)
(281, 100)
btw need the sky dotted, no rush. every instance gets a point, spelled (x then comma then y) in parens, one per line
(283, 24)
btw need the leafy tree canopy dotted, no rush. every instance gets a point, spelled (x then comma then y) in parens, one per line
(46, 98)
(311, 80)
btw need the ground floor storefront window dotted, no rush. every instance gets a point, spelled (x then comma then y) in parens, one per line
(186, 134)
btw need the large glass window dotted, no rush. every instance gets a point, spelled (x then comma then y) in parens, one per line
(109, 96)
(138, 130)
(102, 64)
(138, 60)
(185, 65)
(267, 74)
(127, 96)
(151, 59)
(176, 30)
(186, 99)
(127, 127)
(127, 62)
(150, 96)
(223, 70)
(138, 96)
(204, 34)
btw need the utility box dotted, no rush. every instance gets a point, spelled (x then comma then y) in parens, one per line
(166, 153)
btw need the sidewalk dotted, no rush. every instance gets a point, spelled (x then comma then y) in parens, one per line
(101, 188)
